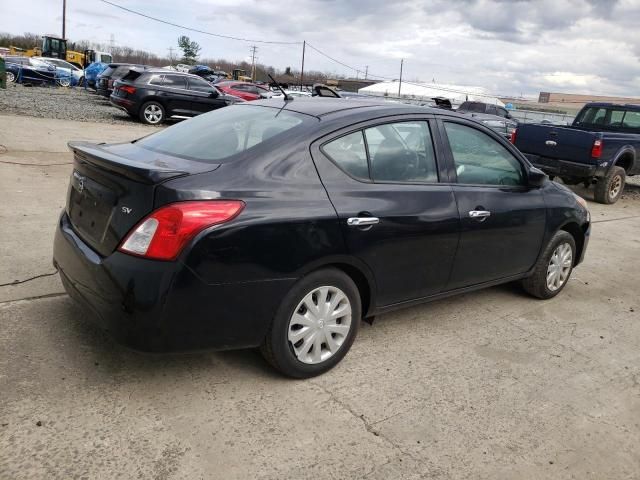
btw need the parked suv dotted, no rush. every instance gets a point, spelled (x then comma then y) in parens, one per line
(493, 116)
(115, 71)
(155, 95)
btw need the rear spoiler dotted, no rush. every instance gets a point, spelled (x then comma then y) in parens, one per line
(94, 154)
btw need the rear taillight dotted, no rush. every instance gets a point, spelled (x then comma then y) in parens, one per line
(128, 88)
(512, 137)
(596, 150)
(163, 234)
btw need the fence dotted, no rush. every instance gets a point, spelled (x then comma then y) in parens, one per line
(531, 116)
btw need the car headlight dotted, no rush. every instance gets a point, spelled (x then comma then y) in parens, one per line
(583, 202)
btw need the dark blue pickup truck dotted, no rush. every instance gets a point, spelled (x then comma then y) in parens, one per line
(601, 148)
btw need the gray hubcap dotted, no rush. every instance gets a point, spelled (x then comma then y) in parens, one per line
(64, 82)
(320, 324)
(10, 77)
(559, 266)
(153, 113)
(616, 186)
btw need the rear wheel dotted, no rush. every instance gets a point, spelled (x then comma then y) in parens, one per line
(11, 77)
(554, 267)
(315, 325)
(64, 82)
(609, 189)
(152, 113)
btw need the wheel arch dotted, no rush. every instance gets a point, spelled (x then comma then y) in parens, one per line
(578, 235)
(359, 274)
(625, 158)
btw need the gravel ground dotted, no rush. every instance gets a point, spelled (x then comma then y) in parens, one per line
(60, 103)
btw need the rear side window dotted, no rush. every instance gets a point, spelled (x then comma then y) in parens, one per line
(631, 120)
(156, 80)
(350, 154)
(175, 81)
(480, 159)
(221, 134)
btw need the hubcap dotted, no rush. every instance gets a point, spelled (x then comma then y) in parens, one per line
(616, 185)
(10, 77)
(320, 324)
(153, 114)
(559, 266)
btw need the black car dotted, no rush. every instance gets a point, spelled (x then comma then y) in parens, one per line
(113, 72)
(154, 95)
(283, 224)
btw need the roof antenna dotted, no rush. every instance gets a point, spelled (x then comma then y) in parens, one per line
(286, 97)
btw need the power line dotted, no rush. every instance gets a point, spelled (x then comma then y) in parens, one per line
(195, 29)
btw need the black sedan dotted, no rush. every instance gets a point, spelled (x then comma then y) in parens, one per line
(283, 224)
(155, 95)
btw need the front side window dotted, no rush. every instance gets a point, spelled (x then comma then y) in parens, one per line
(175, 81)
(199, 85)
(401, 152)
(631, 120)
(349, 153)
(480, 159)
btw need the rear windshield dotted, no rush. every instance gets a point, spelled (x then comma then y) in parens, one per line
(472, 107)
(219, 135)
(131, 75)
(608, 118)
(108, 71)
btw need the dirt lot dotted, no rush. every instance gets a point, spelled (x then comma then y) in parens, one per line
(489, 385)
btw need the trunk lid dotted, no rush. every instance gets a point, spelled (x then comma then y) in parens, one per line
(562, 143)
(112, 188)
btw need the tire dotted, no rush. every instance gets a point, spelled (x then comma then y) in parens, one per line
(609, 189)
(302, 355)
(539, 285)
(81, 82)
(64, 82)
(11, 77)
(152, 113)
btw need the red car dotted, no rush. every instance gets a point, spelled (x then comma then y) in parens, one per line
(244, 90)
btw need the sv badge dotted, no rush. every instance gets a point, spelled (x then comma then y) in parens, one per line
(126, 210)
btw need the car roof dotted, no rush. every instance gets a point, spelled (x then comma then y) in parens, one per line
(629, 106)
(333, 107)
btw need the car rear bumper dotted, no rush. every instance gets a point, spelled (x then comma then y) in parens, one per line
(123, 104)
(563, 168)
(163, 306)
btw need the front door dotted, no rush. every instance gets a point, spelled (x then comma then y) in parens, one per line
(201, 96)
(396, 217)
(502, 219)
(176, 95)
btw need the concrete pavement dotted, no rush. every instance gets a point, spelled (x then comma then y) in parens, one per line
(489, 385)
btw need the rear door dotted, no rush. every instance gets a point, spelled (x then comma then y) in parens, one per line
(502, 219)
(176, 95)
(396, 218)
(201, 99)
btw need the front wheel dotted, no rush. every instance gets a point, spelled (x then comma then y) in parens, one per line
(553, 269)
(152, 113)
(609, 189)
(11, 77)
(315, 326)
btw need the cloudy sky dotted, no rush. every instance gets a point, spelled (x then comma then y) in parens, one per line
(507, 46)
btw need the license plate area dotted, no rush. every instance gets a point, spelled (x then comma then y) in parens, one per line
(90, 207)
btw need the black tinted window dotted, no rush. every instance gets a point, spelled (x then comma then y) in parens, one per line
(349, 153)
(480, 159)
(218, 135)
(401, 152)
(199, 85)
(175, 81)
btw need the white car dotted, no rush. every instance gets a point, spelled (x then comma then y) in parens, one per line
(65, 66)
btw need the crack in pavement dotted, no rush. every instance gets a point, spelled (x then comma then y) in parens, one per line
(36, 297)
(19, 282)
(614, 219)
(35, 164)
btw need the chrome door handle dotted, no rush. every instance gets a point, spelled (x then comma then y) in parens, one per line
(362, 221)
(480, 214)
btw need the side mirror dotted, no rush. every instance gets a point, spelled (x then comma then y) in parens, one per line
(214, 94)
(536, 178)
(509, 116)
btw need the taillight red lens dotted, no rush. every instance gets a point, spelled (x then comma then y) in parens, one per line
(163, 234)
(512, 137)
(596, 150)
(128, 88)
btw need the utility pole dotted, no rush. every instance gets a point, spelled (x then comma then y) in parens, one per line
(304, 47)
(400, 83)
(366, 71)
(170, 55)
(64, 18)
(253, 62)
(112, 42)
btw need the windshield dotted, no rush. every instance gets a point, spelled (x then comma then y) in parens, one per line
(221, 134)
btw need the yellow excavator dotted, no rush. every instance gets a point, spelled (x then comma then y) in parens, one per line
(56, 47)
